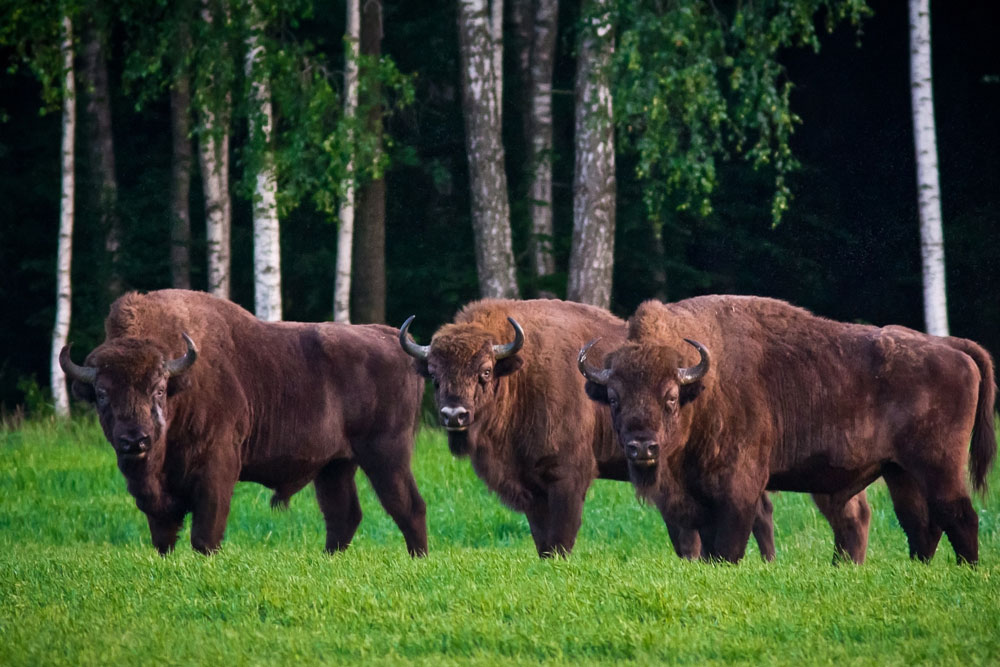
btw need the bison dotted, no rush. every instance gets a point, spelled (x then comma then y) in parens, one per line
(517, 408)
(782, 399)
(194, 393)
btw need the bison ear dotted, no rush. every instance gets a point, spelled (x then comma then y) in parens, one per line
(177, 384)
(83, 391)
(596, 392)
(420, 365)
(689, 392)
(508, 366)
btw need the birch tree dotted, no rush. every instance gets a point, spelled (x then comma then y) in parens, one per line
(368, 287)
(592, 250)
(64, 293)
(214, 103)
(94, 76)
(266, 243)
(928, 188)
(345, 232)
(482, 82)
(543, 47)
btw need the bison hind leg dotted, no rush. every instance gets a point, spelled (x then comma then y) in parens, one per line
(849, 518)
(913, 512)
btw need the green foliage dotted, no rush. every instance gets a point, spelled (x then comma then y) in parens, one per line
(33, 30)
(80, 583)
(695, 85)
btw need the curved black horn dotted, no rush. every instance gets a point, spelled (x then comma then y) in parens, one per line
(411, 348)
(589, 372)
(85, 374)
(504, 351)
(694, 373)
(178, 366)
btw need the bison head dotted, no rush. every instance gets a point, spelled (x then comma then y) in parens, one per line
(647, 389)
(128, 380)
(466, 363)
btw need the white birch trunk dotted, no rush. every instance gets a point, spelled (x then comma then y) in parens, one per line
(481, 85)
(496, 35)
(213, 154)
(928, 188)
(592, 251)
(345, 232)
(540, 135)
(64, 301)
(266, 237)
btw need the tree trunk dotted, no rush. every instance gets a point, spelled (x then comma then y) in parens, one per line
(102, 151)
(928, 189)
(592, 251)
(368, 283)
(487, 178)
(213, 153)
(540, 136)
(522, 19)
(60, 332)
(180, 169)
(266, 241)
(345, 233)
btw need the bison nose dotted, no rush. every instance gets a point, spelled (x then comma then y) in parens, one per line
(642, 451)
(133, 443)
(457, 417)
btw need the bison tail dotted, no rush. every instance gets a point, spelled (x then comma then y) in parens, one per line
(984, 441)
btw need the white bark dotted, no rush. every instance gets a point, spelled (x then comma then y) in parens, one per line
(266, 238)
(540, 134)
(481, 84)
(345, 232)
(213, 154)
(496, 35)
(60, 333)
(928, 187)
(592, 250)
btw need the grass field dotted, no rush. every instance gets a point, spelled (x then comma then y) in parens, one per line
(80, 583)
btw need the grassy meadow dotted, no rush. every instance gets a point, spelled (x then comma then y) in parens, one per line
(81, 585)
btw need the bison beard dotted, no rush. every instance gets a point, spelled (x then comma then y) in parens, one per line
(796, 402)
(282, 404)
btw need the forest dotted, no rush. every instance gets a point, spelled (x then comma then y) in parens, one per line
(602, 151)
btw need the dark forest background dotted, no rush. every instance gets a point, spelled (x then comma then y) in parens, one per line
(847, 248)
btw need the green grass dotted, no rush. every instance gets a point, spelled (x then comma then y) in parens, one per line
(80, 583)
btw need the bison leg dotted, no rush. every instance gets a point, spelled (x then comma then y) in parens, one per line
(763, 527)
(538, 521)
(731, 531)
(686, 541)
(163, 531)
(951, 509)
(397, 491)
(209, 514)
(565, 515)
(913, 513)
(337, 496)
(849, 520)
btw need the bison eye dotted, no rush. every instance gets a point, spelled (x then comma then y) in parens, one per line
(485, 375)
(158, 393)
(101, 395)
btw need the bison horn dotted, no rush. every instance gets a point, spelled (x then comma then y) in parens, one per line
(504, 351)
(411, 348)
(694, 373)
(592, 374)
(178, 366)
(85, 374)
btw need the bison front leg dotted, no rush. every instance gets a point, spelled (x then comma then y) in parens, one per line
(731, 529)
(209, 513)
(163, 531)
(849, 520)
(763, 527)
(337, 495)
(538, 521)
(565, 514)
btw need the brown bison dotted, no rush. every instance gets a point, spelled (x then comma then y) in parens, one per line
(782, 399)
(194, 393)
(518, 410)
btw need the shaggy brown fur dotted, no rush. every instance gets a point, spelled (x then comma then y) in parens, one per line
(532, 435)
(281, 404)
(797, 402)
